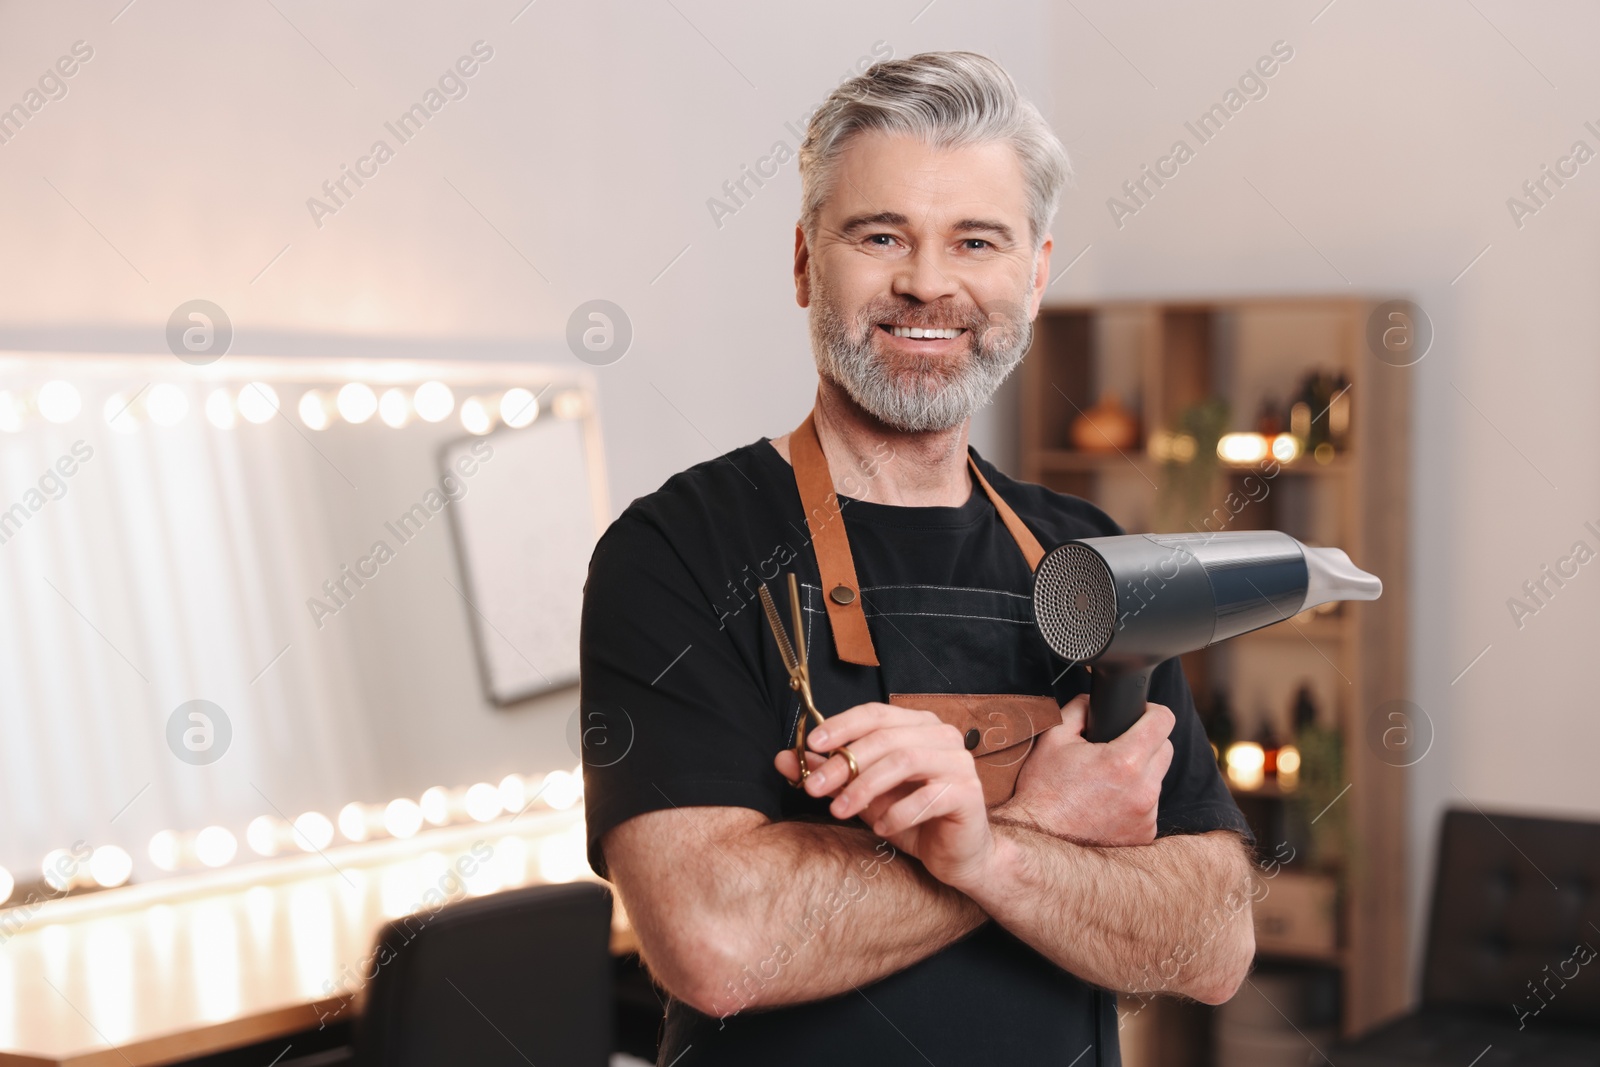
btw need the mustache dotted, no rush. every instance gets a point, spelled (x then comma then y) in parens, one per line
(924, 316)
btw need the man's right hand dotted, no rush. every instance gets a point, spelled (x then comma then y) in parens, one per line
(1093, 794)
(918, 788)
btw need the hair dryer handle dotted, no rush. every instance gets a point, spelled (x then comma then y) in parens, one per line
(1117, 696)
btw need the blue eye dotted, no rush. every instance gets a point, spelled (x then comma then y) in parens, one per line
(976, 241)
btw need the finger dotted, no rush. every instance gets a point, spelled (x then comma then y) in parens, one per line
(833, 771)
(856, 722)
(1147, 733)
(930, 802)
(1075, 713)
(896, 768)
(789, 767)
(1163, 760)
(882, 802)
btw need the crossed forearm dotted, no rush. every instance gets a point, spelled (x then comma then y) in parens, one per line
(1165, 917)
(817, 909)
(1171, 916)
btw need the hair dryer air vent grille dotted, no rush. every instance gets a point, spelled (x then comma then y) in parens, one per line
(1074, 602)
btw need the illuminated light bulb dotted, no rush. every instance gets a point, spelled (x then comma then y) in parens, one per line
(1242, 448)
(215, 846)
(353, 822)
(58, 401)
(562, 790)
(356, 402)
(475, 417)
(1285, 448)
(313, 832)
(8, 884)
(51, 869)
(434, 401)
(164, 850)
(10, 412)
(1159, 447)
(568, 405)
(435, 805)
(402, 818)
(483, 802)
(118, 413)
(313, 410)
(166, 404)
(220, 411)
(513, 792)
(258, 402)
(1246, 764)
(1288, 767)
(394, 409)
(110, 866)
(262, 835)
(518, 408)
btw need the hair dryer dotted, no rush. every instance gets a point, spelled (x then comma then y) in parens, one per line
(1125, 604)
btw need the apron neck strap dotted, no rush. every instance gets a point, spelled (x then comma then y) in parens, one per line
(841, 590)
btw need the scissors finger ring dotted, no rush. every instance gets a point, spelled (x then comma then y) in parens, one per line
(850, 758)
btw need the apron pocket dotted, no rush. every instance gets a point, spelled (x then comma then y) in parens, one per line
(998, 729)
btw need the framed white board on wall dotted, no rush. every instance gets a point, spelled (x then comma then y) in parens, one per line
(524, 533)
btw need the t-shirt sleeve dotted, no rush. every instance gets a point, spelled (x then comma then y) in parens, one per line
(671, 713)
(1194, 796)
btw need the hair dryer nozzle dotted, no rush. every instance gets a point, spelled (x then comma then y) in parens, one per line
(1331, 576)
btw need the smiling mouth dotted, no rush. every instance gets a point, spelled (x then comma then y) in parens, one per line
(928, 333)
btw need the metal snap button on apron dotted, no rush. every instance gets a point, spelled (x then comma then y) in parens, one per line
(842, 594)
(972, 739)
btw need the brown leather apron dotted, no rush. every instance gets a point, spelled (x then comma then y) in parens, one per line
(998, 727)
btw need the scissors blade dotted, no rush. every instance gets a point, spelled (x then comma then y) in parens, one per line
(791, 662)
(799, 623)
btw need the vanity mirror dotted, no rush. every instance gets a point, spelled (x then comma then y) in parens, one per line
(267, 604)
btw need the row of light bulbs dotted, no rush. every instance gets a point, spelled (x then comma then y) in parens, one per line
(216, 846)
(166, 404)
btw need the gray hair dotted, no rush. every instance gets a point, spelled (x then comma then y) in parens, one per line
(947, 99)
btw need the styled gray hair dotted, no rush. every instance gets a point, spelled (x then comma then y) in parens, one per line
(947, 99)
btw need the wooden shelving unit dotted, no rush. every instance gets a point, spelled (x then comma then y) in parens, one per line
(1160, 358)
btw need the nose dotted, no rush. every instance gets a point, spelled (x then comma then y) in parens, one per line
(921, 277)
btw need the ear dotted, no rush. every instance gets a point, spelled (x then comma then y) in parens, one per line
(1041, 276)
(802, 271)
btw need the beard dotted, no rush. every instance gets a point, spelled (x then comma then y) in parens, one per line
(912, 393)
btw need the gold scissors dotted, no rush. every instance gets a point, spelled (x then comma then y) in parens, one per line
(799, 676)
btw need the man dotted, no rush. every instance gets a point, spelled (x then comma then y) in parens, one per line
(881, 913)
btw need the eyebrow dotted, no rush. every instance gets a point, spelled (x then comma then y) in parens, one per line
(857, 223)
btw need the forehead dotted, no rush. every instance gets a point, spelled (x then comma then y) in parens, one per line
(895, 172)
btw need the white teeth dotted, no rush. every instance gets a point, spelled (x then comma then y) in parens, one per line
(918, 331)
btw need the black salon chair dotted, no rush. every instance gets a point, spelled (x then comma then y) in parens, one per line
(1510, 976)
(519, 977)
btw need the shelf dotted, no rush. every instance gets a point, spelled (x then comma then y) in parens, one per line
(1165, 360)
(1318, 629)
(1267, 791)
(1074, 461)
(1066, 459)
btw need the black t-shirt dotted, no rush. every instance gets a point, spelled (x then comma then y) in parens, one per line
(685, 700)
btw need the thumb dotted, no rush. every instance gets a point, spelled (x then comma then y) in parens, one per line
(1075, 713)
